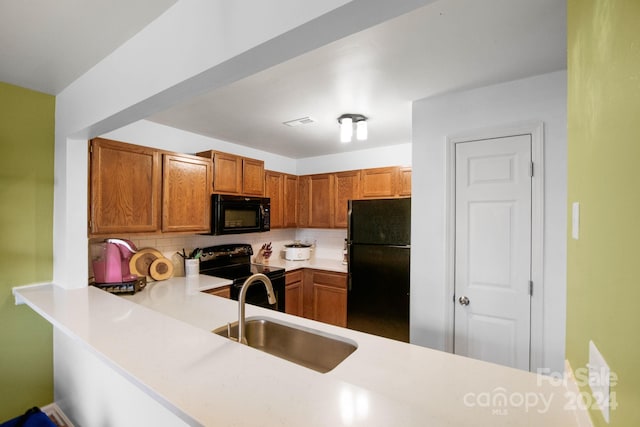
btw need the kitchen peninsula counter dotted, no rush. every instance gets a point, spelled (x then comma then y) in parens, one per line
(205, 379)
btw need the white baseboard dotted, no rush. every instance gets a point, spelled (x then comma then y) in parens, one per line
(56, 415)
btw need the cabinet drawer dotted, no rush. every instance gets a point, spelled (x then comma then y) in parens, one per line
(293, 276)
(336, 280)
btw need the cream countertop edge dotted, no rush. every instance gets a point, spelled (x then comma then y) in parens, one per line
(394, 383)
(327, 264)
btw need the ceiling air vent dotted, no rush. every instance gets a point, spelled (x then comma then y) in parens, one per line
(299, 122)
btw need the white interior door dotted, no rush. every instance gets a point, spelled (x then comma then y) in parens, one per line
(493, 250)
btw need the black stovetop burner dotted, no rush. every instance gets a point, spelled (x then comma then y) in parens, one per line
(233, 262)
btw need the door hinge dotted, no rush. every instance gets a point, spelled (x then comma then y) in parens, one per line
(531, 287)
(531, 169)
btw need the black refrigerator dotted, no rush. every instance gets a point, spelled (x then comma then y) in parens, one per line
(379, 254)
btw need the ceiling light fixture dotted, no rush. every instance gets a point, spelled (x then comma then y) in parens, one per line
(346, 127)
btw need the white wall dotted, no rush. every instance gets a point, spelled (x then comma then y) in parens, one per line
(541, 98)
(396, 155)
(155, 135)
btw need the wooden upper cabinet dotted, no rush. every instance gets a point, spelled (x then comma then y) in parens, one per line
(186, 193)
(236, 174)
(379, 182)
(274, 189)
(252, 177)
(320, 200)
(404, 181)
(227, 173)
(304, 201)
(347, 187)
(290, 207)
(282, 189)
(124, 188)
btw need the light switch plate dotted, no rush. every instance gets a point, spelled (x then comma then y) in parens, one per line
(599, 380)
(575, 220)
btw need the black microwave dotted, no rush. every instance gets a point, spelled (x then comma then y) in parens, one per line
(239, 214)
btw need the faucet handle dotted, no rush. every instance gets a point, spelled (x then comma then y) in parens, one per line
(229, 332)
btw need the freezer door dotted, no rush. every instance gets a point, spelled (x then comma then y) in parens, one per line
(378, 298)
(380, 222)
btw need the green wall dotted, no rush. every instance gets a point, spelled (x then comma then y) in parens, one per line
(603, 282)
(26, 245)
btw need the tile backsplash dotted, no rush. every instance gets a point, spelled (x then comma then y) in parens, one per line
(329, 242)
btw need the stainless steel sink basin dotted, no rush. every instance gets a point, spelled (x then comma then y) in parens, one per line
(307, 347)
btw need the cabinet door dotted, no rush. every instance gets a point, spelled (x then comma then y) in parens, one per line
(124, 188)
(186, 193)
(293, 293)
(304, 202)
(404, 181)
(224, 292)
(252, 177)
(274, 189)
(290, 208)
(227, 173)
(379, 182)
(321, 201)
(330, 298)
(347, 187)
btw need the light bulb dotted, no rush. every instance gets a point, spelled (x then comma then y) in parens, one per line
(346, 129)
(361, 130)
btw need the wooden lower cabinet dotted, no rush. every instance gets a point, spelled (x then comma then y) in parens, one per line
(293, 293)
(329, 297)
(315, 294)
(224, 292)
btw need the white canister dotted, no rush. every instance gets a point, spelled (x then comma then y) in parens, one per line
(191, 267)
(297, 252)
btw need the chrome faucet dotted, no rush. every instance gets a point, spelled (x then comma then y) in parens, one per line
(243, 293)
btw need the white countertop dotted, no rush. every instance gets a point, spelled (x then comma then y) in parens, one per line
(383, 383)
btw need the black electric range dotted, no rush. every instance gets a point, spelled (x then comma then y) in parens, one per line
(233, 262)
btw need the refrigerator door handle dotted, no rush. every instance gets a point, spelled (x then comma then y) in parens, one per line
(349, 210)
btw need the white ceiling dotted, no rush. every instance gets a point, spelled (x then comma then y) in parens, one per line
(47, 44)
(445, 46)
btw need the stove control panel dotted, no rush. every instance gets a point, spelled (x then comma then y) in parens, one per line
(226, 251)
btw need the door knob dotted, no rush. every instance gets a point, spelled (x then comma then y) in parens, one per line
(463, 301)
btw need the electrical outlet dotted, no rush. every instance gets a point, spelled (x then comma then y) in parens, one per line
(599, 380)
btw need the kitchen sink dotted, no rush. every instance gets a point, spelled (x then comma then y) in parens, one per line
(304, 346)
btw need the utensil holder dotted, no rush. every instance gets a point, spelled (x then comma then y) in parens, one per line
(191, 267)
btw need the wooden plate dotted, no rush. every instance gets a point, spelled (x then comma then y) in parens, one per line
(140, 262)
(161, 269)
